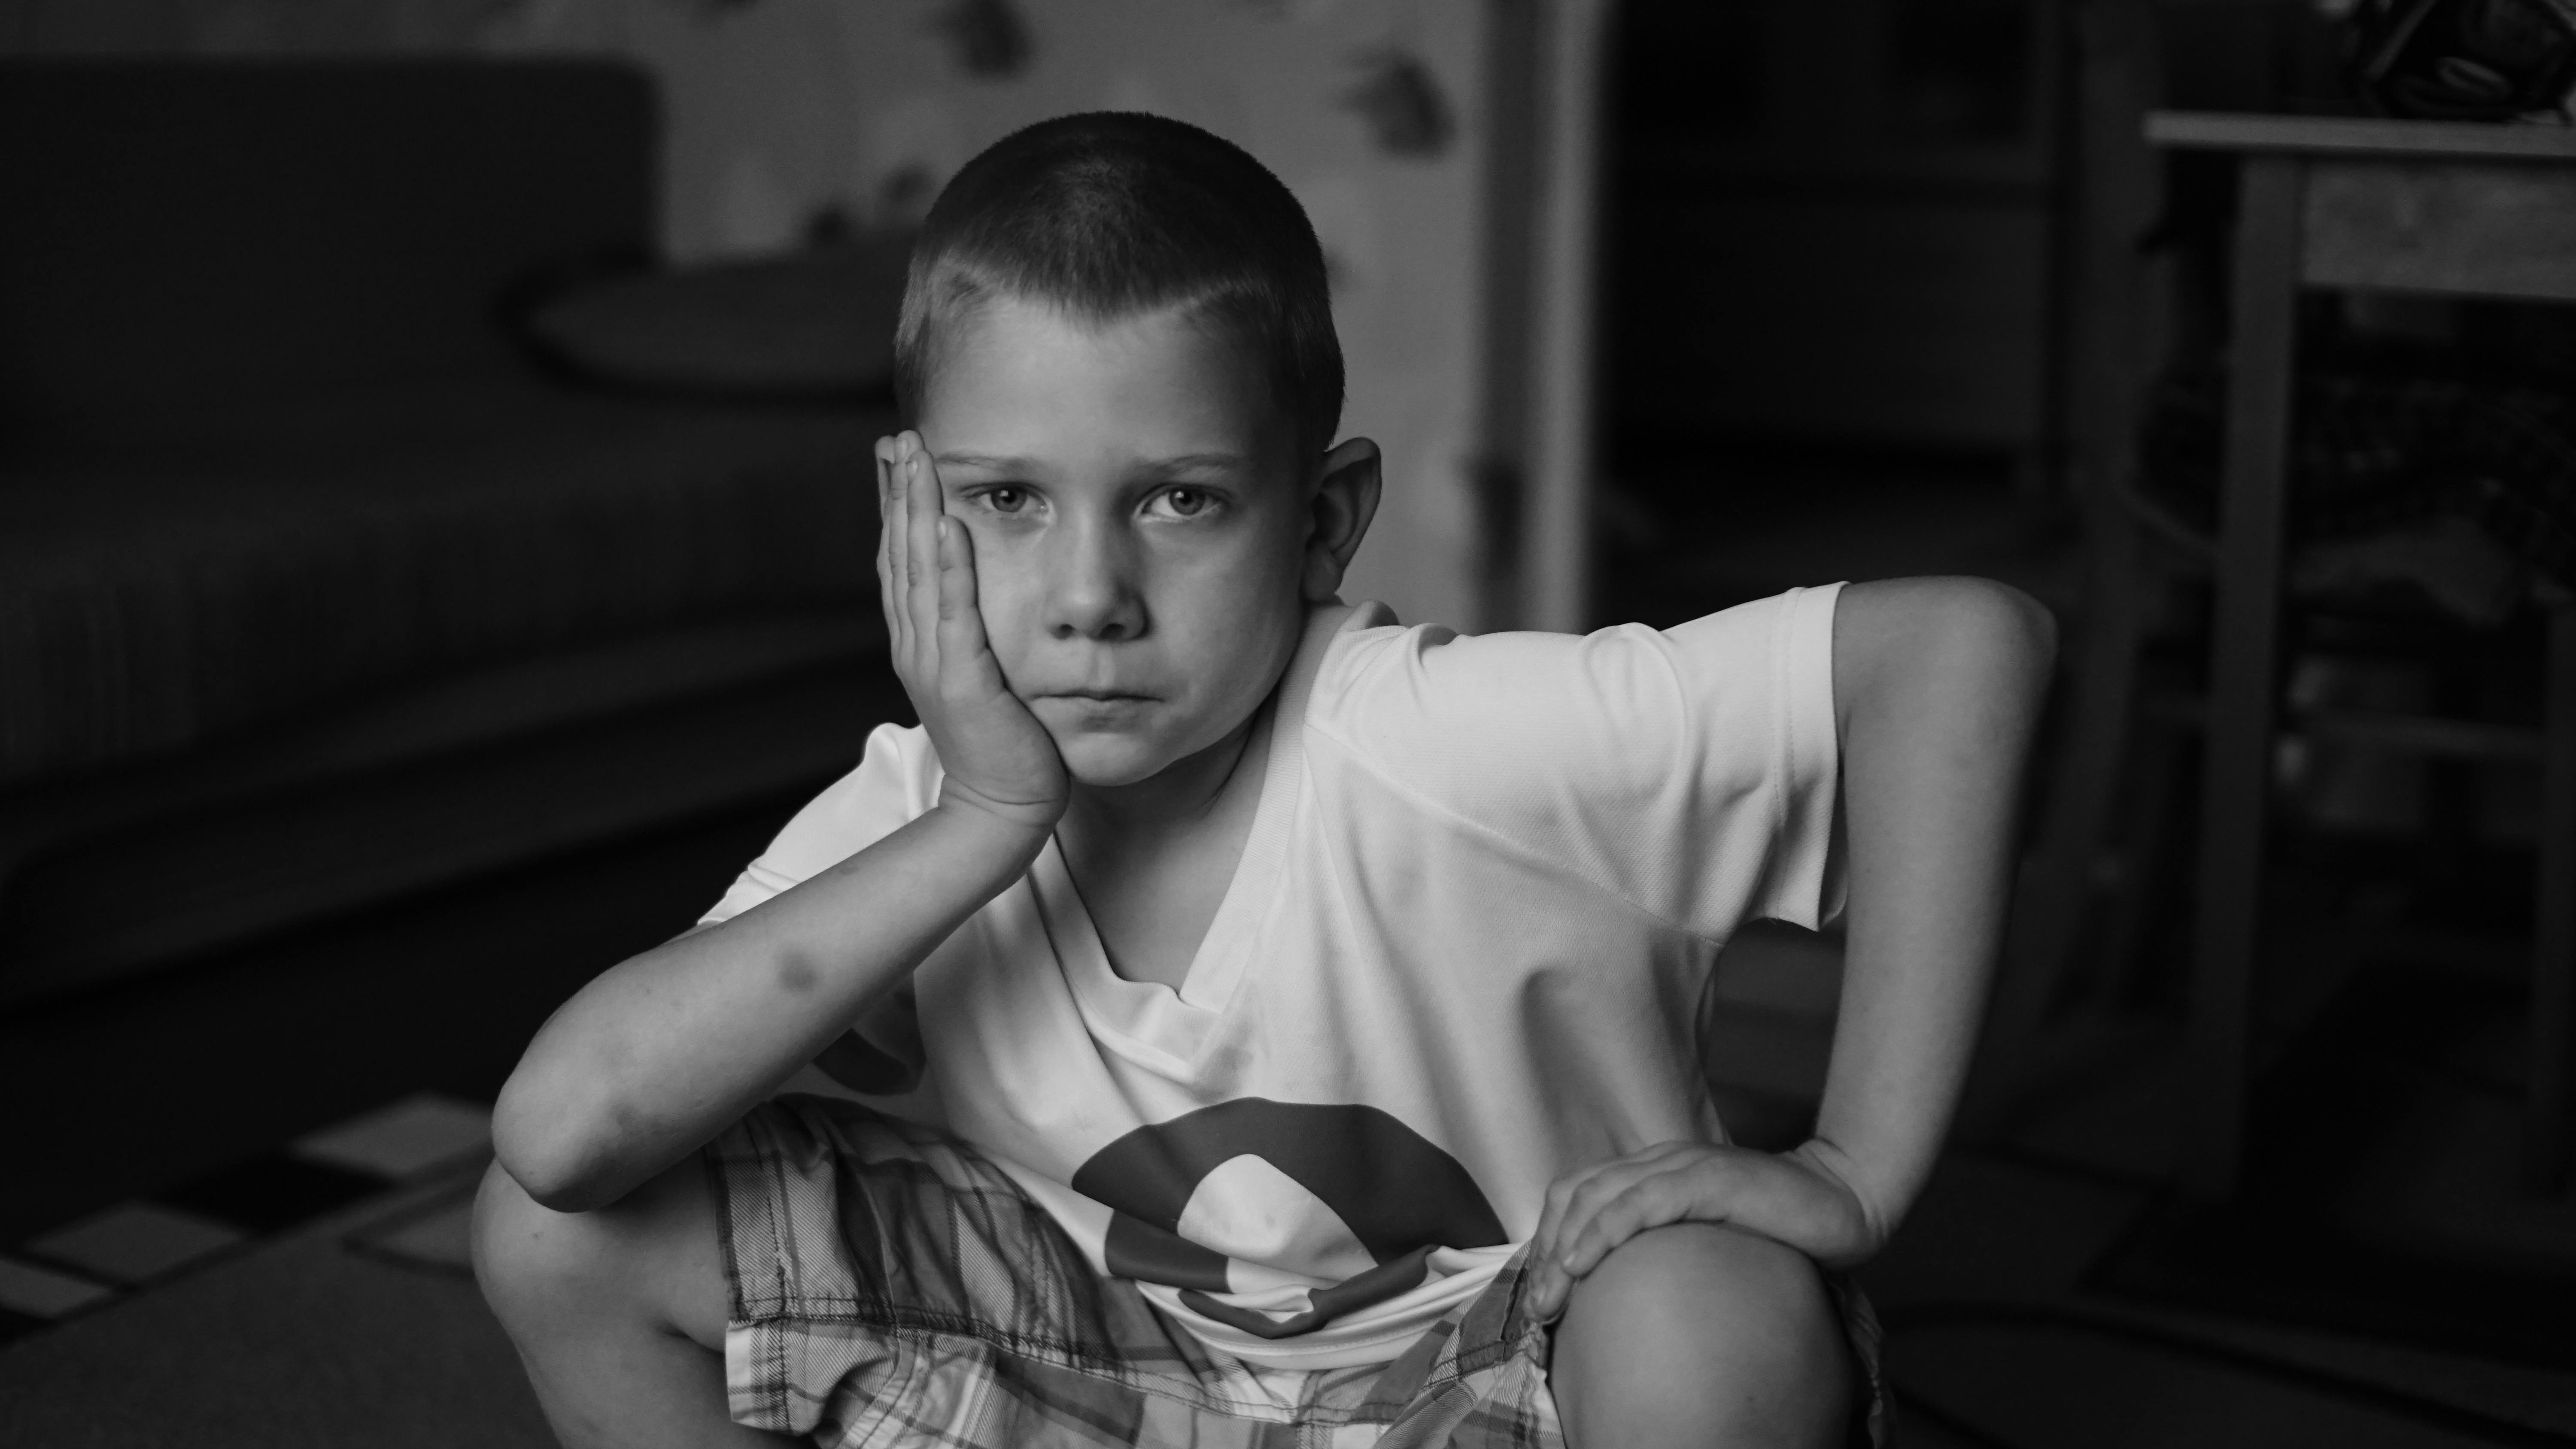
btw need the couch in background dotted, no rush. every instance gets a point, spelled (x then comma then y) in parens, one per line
(314, 590)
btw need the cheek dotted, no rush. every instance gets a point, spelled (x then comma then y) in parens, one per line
(1236, 633)
(1010, 608)
(1253, 581)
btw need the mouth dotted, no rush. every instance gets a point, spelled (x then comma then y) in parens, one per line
(1097, 696)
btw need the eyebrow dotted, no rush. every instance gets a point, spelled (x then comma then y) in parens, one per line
(1160, 467)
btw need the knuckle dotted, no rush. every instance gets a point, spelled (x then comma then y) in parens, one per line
(1584, 1247)
(1596, 1190)
(1656, 1197)
(1623, 1208)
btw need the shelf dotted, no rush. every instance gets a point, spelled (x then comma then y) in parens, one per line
(2336, 135)
(1986, 173)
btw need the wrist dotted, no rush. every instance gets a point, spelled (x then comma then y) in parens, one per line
(1868, 1228)
(1014, 831)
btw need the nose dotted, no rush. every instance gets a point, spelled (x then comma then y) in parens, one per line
(1092, 591)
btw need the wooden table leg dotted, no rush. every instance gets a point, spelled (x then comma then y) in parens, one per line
(2237, 760)
(2553, 976)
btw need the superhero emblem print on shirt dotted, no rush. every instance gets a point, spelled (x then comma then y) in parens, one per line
(1347, 1192)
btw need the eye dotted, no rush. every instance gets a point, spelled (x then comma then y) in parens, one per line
(1005, 498)
(1185, 502)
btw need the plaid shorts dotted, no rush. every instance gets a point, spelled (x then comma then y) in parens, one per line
(891, 1287)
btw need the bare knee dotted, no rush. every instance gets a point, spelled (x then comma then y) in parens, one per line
(1701, 1334)
(651, 1255)
(529, 1259)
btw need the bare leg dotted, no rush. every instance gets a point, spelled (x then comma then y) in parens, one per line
(1698, 1334)
(619, 1314)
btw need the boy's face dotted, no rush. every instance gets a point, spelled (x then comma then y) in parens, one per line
(1141, 525)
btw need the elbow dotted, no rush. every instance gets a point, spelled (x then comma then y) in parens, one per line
(1945, 622)
(2012, 634)
(2027, 629)
(551, 1157)
(547, 1174)
(554, 1184)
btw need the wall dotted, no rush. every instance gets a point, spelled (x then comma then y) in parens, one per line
(778, 109)
(1854, 245)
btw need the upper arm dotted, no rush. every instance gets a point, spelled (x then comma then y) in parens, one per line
(1968, 643)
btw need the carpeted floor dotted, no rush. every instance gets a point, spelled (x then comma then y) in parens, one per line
(152, 1081)
(2039, 1377)
(1996, 1337)
(2385, 1200)
(302, 1342)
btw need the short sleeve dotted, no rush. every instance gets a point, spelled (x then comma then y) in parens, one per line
(896, 781)
(1802, 881)
(1691, 771)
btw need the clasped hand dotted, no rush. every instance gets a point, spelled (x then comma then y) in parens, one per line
(1801, 1198)
(995, 755)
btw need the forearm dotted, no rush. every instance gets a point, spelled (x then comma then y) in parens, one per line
(1938, 684)
(663, 1051)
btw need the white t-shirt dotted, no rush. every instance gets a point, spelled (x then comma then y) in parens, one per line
(1462, 955)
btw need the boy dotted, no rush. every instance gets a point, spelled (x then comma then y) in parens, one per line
(1271, 1023)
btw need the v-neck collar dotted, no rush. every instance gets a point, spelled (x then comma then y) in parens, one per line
(1147, 1022)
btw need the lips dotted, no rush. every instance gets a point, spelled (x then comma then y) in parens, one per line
(1094, 709)
(1097, 696)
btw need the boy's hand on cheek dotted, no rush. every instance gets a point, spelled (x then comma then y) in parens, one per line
(997, 758)
(1797, 1198)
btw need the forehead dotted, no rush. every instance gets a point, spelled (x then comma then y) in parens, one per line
(1032, 379)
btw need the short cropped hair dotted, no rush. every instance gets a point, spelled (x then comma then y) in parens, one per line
(1112, 214)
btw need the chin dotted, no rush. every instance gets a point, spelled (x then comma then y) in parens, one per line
(1106, 760)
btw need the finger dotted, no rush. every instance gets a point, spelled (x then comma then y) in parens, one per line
(1549, 1282)
(1549, 1238)
(1552, 1215)
(1650, 1201)
(885, 540)
(1689, 1184)
(898, 542)
(961, 616)
(922, 504)
(1572, 1201)
(911, 555)
(1586, 1202)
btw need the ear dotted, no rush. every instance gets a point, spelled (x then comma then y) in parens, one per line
(1345, 499)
